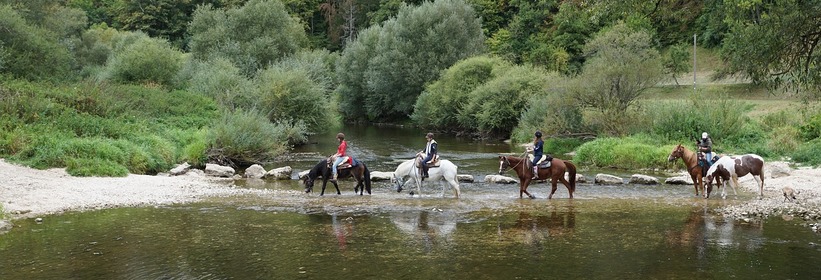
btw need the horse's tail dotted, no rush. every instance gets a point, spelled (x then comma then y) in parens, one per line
(571, 172)
(367, 178)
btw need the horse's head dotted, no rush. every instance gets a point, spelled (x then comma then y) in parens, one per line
(309, 184)
(677, 153)
(397, 181)
(504, 163)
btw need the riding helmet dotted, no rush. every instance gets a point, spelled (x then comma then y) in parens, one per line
(340, 136)
(539, 134)
(704, 135)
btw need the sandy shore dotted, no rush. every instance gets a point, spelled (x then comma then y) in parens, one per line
(28, 193)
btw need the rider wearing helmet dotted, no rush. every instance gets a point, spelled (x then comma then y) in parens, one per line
(705, 146)
(538, 151)
(340, 152)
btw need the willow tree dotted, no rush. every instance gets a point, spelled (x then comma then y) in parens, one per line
(385, 69)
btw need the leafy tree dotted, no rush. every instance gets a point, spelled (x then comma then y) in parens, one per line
(677, 61)
(29, 51)
(402, 55)
(147, 60)
(252, 36)
(440, 104)
(775, 43)
(622, 65)
(291, 95)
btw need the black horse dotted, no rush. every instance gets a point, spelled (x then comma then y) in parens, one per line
(360, 172)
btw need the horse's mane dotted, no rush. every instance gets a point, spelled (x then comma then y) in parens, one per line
(317, 169)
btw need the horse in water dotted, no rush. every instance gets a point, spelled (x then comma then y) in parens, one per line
(693, 168)
(730, 168)
(322, 168)
(446, 171)
(525, 173)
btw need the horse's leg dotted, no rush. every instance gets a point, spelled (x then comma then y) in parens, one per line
(324, 182)
(553, 187)
(336, 185)
(526, 182)
(761, 186)
(566, 184)
(455, 185)
(735, 185)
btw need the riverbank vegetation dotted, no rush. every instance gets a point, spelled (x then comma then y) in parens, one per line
(107, 87)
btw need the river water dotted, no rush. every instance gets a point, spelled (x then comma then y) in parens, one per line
(606, 232)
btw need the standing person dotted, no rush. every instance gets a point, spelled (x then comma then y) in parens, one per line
(538, 151)
(429, 153)
(340, 152)
(705, 147)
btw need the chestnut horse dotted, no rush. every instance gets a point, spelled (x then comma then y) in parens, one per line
(691, 161)
(525, 173)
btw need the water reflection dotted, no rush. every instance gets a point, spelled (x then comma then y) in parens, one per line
(534, 228)
(427, 228)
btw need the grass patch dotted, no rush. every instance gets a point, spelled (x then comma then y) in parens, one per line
(634, 152)
(101, 129)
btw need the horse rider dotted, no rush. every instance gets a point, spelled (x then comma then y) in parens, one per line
(340, 153)
(429, 153)
(538, 151)
(705, 147)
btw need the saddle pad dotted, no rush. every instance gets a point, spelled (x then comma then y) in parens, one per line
(530, 159)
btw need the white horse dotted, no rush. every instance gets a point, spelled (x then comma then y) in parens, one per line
(445, 172)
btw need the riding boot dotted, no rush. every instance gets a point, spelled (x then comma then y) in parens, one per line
(333, 179)
(535, 172)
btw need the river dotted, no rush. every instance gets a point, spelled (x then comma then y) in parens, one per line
(605, 232)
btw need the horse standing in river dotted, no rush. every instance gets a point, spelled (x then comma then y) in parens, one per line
(446, 171)
(691, 161)
(729, 168)
(359, 172)
(525, 173)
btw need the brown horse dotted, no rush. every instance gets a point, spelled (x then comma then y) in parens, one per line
(691, 161)
(525, 173)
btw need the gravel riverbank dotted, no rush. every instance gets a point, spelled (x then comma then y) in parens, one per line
(29, 193)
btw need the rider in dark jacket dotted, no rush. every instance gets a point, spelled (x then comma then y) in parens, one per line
(429, 153)
(538, 151)
(705, 146)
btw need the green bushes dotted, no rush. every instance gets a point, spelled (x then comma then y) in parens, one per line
(147, 60)
(242, 137)
(809, 153)
(106, 130)
(634, 152)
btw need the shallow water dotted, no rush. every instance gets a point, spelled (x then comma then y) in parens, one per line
(625, 231)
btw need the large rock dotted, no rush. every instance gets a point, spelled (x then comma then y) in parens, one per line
(499, 179)
(282, 173)
(180, 169)
(302, 174)
(216, 170)
(778, 169)
(643, 180)
(679, 180)
(465, 178)
(5, 226)
(381, 176)
(607, 179)
(255, 171)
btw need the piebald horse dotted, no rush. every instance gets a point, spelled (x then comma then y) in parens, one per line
(730, 168)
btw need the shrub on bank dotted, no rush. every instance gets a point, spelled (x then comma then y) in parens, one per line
(638, 151)
(809, 153)
(241, 137)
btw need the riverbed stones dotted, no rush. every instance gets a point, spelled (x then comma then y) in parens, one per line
(640, 179)
(5, 226)
(381, 176)
(607, 179)
(679, 180)
(216, 170)
(282, 173)
(465, 178)
(499, 179)
(180, 169)
(302, 174)
(255, 171)
(778, 169)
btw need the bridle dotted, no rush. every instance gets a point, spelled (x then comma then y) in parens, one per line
(507, 162)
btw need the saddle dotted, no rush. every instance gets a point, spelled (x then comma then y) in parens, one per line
(434, 162)
(705, 163)
(544, 162)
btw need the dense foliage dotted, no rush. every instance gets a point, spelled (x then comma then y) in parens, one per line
(105, 87)
(385, 69)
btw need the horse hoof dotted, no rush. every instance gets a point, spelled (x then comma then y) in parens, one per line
(411, 193)
(532, 197)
